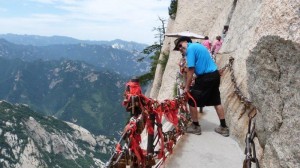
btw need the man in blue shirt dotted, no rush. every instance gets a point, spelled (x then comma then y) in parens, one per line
(205, 91)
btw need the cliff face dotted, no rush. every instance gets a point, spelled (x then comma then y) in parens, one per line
(264, 40)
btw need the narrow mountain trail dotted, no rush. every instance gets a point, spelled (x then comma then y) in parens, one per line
(208, 150)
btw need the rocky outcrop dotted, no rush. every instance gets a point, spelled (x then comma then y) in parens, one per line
(263, 39)
(31, 140)
(273, 68)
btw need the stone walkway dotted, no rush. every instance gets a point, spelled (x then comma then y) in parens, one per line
(209, 150)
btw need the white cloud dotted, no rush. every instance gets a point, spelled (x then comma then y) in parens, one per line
(93, 19)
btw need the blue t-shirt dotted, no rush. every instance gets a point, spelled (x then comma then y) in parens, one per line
(198, 56)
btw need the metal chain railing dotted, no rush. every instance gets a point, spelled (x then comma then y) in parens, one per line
(250, 151)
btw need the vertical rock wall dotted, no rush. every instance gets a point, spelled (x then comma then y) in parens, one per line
(274, 76)
(263, 39)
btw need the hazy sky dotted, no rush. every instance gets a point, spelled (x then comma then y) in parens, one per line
(130, 20)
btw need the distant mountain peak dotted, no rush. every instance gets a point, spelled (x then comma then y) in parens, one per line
(37, 40)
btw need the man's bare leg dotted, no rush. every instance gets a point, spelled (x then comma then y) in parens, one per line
(195, 126)
(220, 111)
(222, 129)
(194, 113)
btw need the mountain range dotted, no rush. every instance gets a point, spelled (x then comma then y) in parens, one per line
(36, 40)
(69, 90)
(118, 56)
(74, 80)
(57, 80)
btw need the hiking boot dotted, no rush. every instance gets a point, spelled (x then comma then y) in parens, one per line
(222, 130)
(194, 129)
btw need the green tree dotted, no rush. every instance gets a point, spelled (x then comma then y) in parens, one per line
(155, 50)
(173, 9)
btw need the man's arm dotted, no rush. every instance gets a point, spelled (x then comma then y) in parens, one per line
(190, 73)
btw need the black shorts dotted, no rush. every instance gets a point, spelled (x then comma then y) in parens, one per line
(206, 90)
